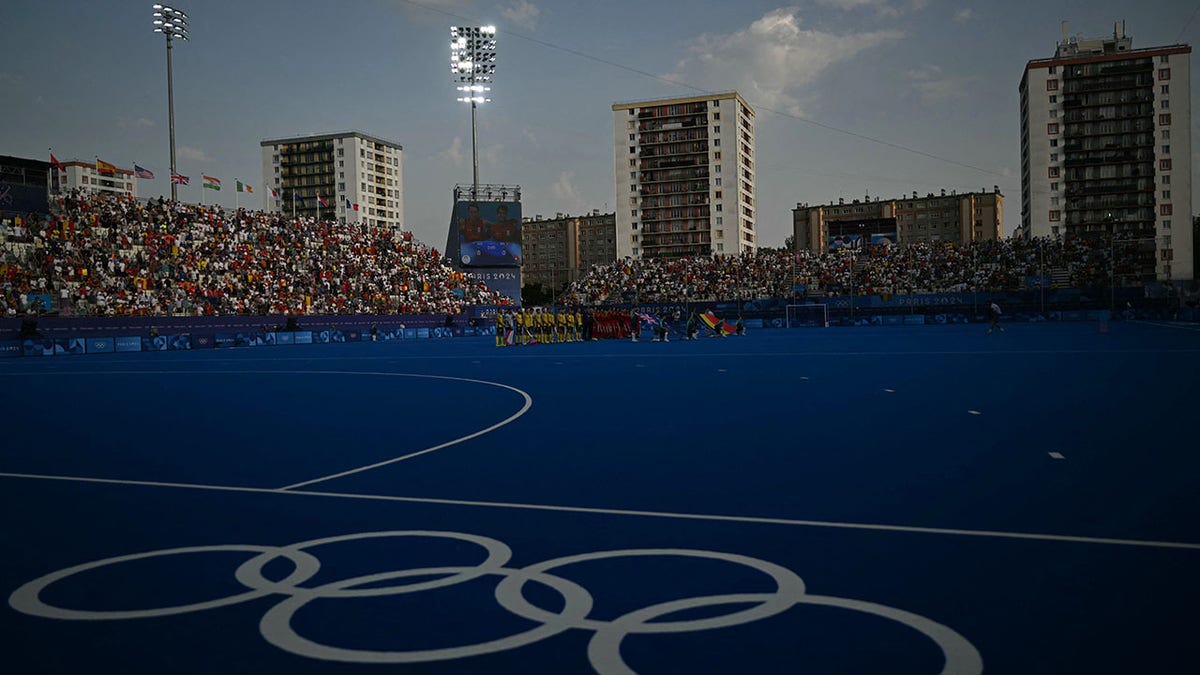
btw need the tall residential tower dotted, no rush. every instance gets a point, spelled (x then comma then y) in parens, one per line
(684, 177)
(1106, 148)
(359, 176)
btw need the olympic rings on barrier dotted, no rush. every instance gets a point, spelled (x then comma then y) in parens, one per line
(604, 648)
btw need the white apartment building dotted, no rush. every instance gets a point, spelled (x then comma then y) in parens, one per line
(684, 177)
(358, 175)
(1106, 148)
(84, 175)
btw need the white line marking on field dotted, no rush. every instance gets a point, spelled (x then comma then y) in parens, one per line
(974, 412)
(1057, 455)
(721, 370)
(1168, 325)
(890, 391)
(995, 534)
(524, 408)
(803, 377)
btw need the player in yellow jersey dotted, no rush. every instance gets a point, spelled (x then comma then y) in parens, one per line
(578, 325)
(499, 327)
(527, 326)
(561, 328)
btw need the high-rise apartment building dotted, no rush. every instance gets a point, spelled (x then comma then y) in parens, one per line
(562, 249)
(952, 218)
(85, 176)
(359, 176)
(684, 177)
(1106, 148)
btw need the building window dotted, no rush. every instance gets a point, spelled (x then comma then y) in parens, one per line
(1164, 73)
(1166, 149)
(718, 207)
(1052, 171)
(1054, 113)
(1164, 89)
(1164, 165)
(1164, 209)
(1166, 179)
(635, 226)
(1166, 194)
(1053, 70)
(1055, 216)
(716, 142)
(1052, 128)
(1166, 224)
(719, 219)
(632, 174)
(1051, 85)
(632, 162)
(1054, 157)
(1054, 142)
(717, 155)
(1054, 98)
(717, 194)
(1054, 187)
(632, 136)
(720, 234)
(1165, 119)
(1165, 134)
(632, 149)
(1165, 104)
(633, 213)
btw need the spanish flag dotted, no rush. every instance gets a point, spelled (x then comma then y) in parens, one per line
(104, 167)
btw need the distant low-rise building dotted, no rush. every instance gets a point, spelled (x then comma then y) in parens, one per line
(954, 218)
(560, 250)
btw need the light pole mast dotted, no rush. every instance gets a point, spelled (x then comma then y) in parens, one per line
(172, 23)
(473, 63)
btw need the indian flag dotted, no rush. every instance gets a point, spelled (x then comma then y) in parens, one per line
(242, 187)
(211, 183)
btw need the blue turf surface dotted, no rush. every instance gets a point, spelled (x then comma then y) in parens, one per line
(793, 435)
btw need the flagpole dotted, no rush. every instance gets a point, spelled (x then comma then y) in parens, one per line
(237, 202)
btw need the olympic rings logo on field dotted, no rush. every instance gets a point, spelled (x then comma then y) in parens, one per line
(604, 649)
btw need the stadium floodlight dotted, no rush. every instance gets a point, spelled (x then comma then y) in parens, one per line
(172, 23)
(472, 65)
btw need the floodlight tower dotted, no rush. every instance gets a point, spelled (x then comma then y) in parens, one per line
(473, 63)
(172, 23)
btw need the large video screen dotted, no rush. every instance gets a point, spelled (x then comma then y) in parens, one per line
(489, 234)
(856, 234)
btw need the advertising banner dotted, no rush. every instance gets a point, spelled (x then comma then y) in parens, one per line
(74, 346)
(10, 348)
(131, 343)
(225, 339)
(285, 338)
(204, 341)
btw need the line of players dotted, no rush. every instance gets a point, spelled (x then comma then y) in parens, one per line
(538, 325)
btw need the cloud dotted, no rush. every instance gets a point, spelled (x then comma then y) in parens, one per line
(492, 154)
(522, 13)
(964, 15)
(887, 8)
(770, 60)
(564, 190)
(139, 123)
(193, 154)
(935, 89)
(530, 137)
(454, 153)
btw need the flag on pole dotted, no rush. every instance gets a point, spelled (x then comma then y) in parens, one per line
(274, 193)
(322, 200)
(211, 183)
(142, 173)
(296, 195)
(242, 187)
(347, 204)
(104, 167)
(179, 179)
(56, 164)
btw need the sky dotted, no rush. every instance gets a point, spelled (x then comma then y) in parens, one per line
(852, 97)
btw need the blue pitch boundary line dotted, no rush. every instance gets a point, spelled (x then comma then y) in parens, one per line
(994, 534)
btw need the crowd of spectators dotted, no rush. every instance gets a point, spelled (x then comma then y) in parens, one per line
(108, 255)
(996, 265)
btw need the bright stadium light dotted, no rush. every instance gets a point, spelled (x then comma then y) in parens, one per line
(172, 23)
(473, 64)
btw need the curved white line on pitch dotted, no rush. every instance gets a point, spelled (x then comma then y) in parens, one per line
(524, 408)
